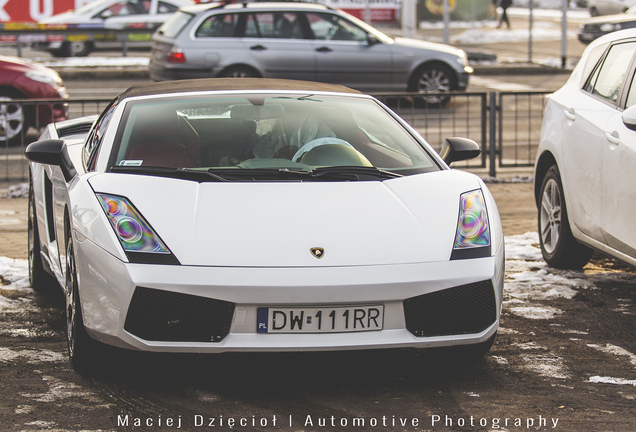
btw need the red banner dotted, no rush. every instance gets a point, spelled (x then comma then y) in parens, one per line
(34, 10)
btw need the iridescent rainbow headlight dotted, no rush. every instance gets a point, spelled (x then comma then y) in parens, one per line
(472, 239)
(139, 241)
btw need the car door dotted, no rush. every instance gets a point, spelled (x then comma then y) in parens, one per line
(618, 199)
(276, 40)
(345, 54)
(587, 114)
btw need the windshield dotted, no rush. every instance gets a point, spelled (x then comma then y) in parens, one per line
(261, 132)
(90, 7)
(175, 24)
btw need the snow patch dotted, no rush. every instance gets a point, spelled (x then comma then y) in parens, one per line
(615, 350)
(479, 36)
(609, 380)
(31, 356)
(548, 365)
(86, 62)
(536, 312)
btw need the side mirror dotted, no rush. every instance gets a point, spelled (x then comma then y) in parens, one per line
(52, 152)
(629, 117)
(372, 40)
(106, 14)
(458, 149)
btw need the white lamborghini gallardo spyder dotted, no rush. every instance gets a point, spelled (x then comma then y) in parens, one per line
(261, 215)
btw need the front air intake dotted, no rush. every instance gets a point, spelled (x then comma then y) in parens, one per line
(166, 316)
(465, 309)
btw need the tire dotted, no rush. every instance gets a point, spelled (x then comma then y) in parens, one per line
(239, 72)
(39, 278)
(74, 49)
(433, 78)
(558, 246)
(14, 120)
(593, 12)
(83, 351)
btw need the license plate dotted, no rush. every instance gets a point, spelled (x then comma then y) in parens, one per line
(320, 320)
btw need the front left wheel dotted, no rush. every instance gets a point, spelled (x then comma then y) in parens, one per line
(434, 78)
(83, 351)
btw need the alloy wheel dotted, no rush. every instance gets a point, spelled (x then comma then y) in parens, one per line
(71, 298)
(550, 215)
(11, 119)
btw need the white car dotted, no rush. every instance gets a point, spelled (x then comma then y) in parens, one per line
(242, 214)
(110, 13)
(609, 7)
(584, 172)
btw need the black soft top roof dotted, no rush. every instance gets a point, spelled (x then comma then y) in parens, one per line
(219, 84)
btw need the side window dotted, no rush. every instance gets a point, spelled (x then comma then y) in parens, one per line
(631, 96)
(593, 58)
(125, 8)
(278, 25)
(607, 79)
(332, 27)
(223, 25)
(166, 8)
(94, 139)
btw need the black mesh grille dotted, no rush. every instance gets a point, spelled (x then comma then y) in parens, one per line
(156, 315)
(460, 310)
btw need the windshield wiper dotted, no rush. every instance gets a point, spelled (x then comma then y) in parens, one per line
(336, 173)
(359, 171)
(178, 173)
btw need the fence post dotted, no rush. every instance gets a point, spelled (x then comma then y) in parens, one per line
(493, 135)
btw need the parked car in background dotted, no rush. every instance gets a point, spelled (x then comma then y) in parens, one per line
(109, 13)
(584, 173)
(599, 26)
(220, 215)
(609, 7)
(301, 41)
(23, 79)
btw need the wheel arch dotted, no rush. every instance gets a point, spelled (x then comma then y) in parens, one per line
(10, 91)
(543, 164)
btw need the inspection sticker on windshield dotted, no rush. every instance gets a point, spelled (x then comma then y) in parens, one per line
(131, 163)
(320, 320)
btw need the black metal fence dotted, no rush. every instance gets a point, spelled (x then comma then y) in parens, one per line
(507, 125)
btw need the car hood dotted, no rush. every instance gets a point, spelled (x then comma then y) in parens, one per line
(613, 19)
(22, 65)
(406, 43)
(66, 18)
(411, 219)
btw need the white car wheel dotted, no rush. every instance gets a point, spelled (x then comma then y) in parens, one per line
(84, 352)
(559, 247)
(435, 78)
(12, 121)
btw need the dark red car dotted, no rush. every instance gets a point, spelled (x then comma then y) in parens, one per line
(23, 79)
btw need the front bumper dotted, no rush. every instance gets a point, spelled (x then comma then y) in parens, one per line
(108, 285)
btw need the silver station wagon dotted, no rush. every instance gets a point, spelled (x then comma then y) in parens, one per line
(301, 41)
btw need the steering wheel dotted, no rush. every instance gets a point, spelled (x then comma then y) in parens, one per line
(318, 142)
